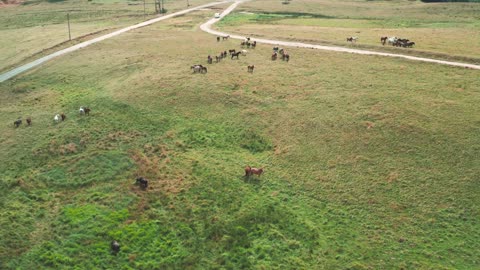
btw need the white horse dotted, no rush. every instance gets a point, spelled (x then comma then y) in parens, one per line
(392, 40)
(81, 110)
(57, 118)
(244, 52)
(197, 68)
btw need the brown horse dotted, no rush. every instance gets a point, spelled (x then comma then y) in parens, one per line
(250, 68)
(29, 121)
(225, 37)
(274, 56)
(218, 39)
(65, 117)
(383, 40)
(286, 57)
(209, 59)
(249, 171)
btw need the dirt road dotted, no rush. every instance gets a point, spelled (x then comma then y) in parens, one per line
(207, 28)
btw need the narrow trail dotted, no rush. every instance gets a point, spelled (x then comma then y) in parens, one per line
(207, 28)
(7, 75)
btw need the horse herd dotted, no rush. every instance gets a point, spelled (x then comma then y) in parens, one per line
(57, 118)
(234, 54)
(394, 41)
(397, 42)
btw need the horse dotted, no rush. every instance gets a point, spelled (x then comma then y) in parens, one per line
(224, 54)
(57, 118)
(29, 121)
(115, 246)
(409, 44)
(217, 58)
(275, 49)
(243, 43)
(254, 44)
(286, 57)
(249, 44)
(87, 110)
(63, 116)
(235, 55)
(383, 40)
(17, 123)
(196, 68)
(274, 56)
(142, 182)
(209, 59)
(250, 68)
(225, 37)
(218, 39)
(392, 40)
(231, 51)
(249, 171)
(352, 39)
(281, 51)
(244, 52)
(203, 70)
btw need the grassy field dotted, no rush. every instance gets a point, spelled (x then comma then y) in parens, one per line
(35, 26)
(440, 30)
(367, 166)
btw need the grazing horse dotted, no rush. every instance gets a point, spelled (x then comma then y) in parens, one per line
(286, 57)
(209, 59)
(203, 70)
(225, 37)
(142, 182)
(275, 49)
(57, 118)
(29, 121)
(281, 51)
(249, 44)
(196, 68)
(224, 54)
(87, 111)
(243, 43)
(217, 58)
(63, 116)
(244, 52)
(218, 39)
(250, 68)
(235, 54)
(231, 51)
(274, 56)
(17, 123)
(254, 44)
(115, 246)
(249, 171)
(383, 40)
(352, 39)
(409, 44)
(392, 40)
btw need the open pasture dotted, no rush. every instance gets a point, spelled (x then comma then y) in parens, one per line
(370, 162)
(440, 30)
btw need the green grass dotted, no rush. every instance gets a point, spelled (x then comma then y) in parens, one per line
(336, 194)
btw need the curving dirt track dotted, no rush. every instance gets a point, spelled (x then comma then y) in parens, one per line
(207, 28)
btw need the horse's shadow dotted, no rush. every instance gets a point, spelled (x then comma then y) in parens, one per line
(251, 180)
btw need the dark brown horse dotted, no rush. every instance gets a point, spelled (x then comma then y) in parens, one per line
(250, 68)
(29, 121)
(65, 117)
(383, 40)
(235, 54)
(286, 57)
(209, 59)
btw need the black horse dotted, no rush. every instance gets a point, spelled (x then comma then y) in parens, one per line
(17, 122)
(115, 246)
(142, 182)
